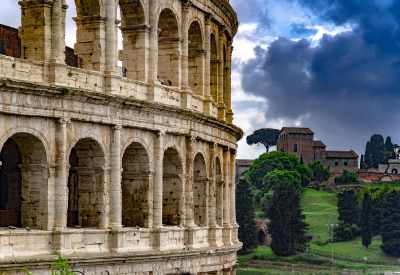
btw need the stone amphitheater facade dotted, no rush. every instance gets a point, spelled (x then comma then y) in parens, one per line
(121, 171)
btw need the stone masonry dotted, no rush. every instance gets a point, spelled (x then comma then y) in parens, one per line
(121, 171)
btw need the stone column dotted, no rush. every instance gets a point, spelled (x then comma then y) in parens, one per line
(57, 66)
(207, 69)
(228, 99)
(61, 186)
(58, 32)
(212, 192)
(186, 91)
(186, 4)
(111, 48)
(190, 142)
(158, 180)
(227, 199)
(61, 192)
(111, 40)
(221, 74)
(115, 183)
(234, 224)
(152, 49)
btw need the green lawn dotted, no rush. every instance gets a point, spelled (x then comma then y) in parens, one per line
(320, 210)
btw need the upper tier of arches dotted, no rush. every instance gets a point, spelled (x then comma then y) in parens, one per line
(177, 44)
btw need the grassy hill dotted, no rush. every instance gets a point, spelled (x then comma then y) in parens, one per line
(322, 257)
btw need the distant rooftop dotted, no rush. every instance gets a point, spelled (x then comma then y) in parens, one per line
(318, 144)
(297, 130)
(341, 154)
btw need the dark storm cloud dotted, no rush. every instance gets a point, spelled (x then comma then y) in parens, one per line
(346, 88)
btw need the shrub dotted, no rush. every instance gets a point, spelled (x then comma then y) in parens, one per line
(344, 232)
(347, 178)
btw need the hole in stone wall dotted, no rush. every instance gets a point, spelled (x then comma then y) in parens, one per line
(200, 190)
(172, 188)
(86, 184)
(196, 55)
(23, 182)
(135, 187)
(168, 49)
(214, 68)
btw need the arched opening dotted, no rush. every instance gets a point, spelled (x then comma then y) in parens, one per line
(133, 29)
(172, 188)
(86, 184)
(262, 237)
(200, 190)
(195, 58)
(10, 21)
(219, 192)
(23, 182)
(135, 187)
(89, 46)
(168, 49)
(214, 68)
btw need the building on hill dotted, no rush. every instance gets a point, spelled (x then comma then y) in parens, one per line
(119, 172)
(300, 142)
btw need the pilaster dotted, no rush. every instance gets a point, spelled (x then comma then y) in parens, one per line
(115, 182)
(61, 184)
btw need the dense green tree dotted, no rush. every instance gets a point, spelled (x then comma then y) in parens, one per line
(389, 150)
(246, 216)
(375, 151)
(268, 162)
(366, 220)
(346, 178)
(319, 172)
(287, 227)
(362, 163)
(348, 207)
(267, 136)
(390, 225)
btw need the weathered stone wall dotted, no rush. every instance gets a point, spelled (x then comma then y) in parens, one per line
(130, 169)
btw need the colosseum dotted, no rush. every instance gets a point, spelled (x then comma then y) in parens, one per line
(120, 160)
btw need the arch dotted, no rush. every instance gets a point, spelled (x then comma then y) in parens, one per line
(168, 48)
(195, 58)
(88, 52)
(136, 195)
(24, 173)
(134, 35)
(200, 181)
(214, 62)
(86, 184)
(172, 188)
(219, 192)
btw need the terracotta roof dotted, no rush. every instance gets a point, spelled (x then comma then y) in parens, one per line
(318, 143)
(244, 162)
(296, 130)
(341, 154)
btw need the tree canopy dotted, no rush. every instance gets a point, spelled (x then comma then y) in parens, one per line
(266, 136)
(378, 151)
(267, 163)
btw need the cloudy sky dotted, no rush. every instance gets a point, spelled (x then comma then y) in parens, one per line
(331, 65)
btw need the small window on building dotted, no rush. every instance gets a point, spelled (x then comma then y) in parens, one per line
(346, 163)
(295, 148)
(336, 163)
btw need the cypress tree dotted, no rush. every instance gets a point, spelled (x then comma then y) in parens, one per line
(348, 207)
(390, 225)
(246, 216)
(287, 227)
(366, 221)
